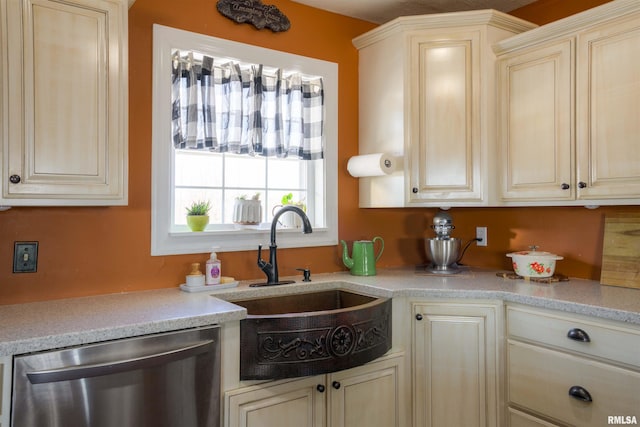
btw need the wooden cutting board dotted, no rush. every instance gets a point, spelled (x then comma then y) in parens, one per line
(621, 251)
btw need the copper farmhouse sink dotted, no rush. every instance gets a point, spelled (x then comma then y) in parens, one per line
(312, 333)
(291, 305)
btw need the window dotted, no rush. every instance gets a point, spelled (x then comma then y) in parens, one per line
(222, 178)
(182, 175)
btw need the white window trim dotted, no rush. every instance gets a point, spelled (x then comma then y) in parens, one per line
(165, 242)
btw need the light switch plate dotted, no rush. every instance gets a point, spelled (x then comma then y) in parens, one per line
(25, 257)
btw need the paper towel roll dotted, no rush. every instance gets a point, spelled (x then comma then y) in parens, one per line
(366, 165)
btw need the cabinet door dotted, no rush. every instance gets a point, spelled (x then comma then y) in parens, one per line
(535, 123)
(369, 396)
(445, 140)
(5, 390)
(67, 89)
(608, 128)
(298, 403)
(456, 365)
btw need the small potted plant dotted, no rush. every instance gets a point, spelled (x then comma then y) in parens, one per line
(198, 215)
(287, 199)
(290, 220)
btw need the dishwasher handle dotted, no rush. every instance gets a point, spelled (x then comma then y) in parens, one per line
(114, 367)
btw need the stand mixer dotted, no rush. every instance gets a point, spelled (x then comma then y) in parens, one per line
(443, 251)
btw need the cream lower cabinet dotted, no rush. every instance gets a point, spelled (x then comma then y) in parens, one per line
(5, 391)
(568, 110)
(457, 364)
(571, 370)
(521, 419)
(367, 396)
(64, 102)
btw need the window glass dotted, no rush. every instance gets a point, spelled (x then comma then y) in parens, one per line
(245, 171)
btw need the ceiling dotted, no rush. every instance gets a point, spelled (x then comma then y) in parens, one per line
(381, 11)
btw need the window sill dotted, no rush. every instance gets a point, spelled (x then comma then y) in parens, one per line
(188, 242)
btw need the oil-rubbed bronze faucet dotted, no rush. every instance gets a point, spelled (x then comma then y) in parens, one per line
(270, 268)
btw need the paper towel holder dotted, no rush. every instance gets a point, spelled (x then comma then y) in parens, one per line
(371, 165)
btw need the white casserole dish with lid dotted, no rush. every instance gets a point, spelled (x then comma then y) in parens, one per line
(534, 263)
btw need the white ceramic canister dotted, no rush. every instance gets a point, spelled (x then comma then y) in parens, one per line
(247, 211)
(195, 277)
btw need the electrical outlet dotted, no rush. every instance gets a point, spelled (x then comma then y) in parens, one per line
(25, 257)
(481, 235)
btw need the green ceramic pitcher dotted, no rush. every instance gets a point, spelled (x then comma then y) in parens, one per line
(363, 258)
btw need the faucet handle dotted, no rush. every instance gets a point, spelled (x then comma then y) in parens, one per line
(306, 273)
(261, 263)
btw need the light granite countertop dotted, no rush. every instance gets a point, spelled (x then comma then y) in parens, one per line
(59, 323)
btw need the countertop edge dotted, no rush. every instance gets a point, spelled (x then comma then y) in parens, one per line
(55, 341)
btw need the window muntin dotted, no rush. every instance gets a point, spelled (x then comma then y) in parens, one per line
(169, 235)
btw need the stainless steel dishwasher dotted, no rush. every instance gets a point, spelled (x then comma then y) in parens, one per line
(164, 380)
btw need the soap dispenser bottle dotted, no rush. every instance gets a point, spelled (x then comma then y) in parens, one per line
(213, 271)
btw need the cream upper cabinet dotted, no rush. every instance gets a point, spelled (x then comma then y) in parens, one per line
(64, 102)
(608, 110)
(568, 128)
(427, 98)
(371, 395)
(535, 131)
(457, 364)
(445, 153)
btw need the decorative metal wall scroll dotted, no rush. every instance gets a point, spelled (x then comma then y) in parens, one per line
(254, 12)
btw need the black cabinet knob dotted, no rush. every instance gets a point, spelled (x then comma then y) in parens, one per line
(582, 184)
(578, 334)
(414, 190)
(336, 385)
(418, 316)
(565, 186)
(14, 179)
(320, 388)
(580, 393)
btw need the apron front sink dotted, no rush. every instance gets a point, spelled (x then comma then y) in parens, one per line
(312, 333)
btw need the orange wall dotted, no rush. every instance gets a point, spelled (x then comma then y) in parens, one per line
(544, 11)
(86, 251)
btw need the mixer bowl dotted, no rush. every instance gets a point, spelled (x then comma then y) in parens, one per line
(442, 253)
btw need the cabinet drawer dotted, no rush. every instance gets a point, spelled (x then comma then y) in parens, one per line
(606, 339)
(540, 380)
(520, 419)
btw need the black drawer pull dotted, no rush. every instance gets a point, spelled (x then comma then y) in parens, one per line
(580, 393)
(418, 316)
(336, 385)
(320, 388)
(578, 334)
